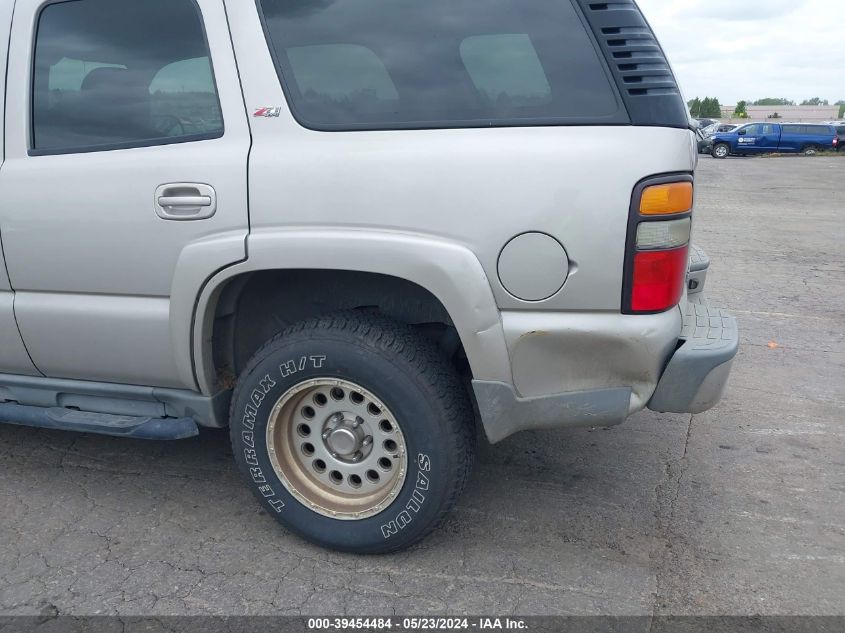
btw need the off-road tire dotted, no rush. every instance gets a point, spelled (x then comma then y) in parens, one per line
(409, 375)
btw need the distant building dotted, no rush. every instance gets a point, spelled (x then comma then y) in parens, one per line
(797, 114)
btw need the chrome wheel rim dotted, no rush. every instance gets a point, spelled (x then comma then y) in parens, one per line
(337, 448)
(721, 151)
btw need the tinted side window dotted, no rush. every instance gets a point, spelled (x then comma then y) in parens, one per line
(506, 68)
(335, 77)
(376, 64)
(118, 73)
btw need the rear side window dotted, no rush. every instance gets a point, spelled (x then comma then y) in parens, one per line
(338, 73)
(505, 68)
(819, 130)
(121, 73)
(807, 130)
(378, 64)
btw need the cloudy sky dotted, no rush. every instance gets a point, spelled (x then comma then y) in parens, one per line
(750, 49)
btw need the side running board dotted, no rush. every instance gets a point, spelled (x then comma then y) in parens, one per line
(144, 428)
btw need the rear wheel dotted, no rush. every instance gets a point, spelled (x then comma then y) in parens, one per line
(721, 150)
(353, 432)
(811, 150)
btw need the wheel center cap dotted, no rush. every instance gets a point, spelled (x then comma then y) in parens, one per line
(343, 441)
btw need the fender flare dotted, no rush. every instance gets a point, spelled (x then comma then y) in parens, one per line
(448, 270)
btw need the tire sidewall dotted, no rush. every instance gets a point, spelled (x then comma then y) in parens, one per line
(300, 358)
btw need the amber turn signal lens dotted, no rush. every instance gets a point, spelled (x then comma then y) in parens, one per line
(673, 197)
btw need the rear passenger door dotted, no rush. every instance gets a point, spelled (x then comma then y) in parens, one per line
(759, 138)
(790, 140)
(126, 144)
(769, 138)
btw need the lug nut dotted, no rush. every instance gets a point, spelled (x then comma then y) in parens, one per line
(367, 440)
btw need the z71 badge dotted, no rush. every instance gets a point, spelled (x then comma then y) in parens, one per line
(267, 112)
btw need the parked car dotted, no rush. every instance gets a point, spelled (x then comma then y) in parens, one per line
(840, 136)
(710, 130)
(341, 236)
(703, 122)
(762, 138)
(705, 145)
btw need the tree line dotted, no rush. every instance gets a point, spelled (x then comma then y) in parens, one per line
(710, 108)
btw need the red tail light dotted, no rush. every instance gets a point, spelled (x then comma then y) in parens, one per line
(658, 280)
(657, 256)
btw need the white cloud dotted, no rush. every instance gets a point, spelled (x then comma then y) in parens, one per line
(749, 50)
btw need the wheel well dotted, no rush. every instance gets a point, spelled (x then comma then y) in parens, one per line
(253, 307)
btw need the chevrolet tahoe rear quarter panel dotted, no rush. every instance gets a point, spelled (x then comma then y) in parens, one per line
(480, 186)
(474, 189)
(459, 185)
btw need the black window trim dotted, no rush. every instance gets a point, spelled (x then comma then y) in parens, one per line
(618, 118)
(108, 147)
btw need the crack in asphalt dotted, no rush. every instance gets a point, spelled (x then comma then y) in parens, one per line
(667, 492)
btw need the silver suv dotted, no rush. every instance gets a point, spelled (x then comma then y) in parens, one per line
(347, 229)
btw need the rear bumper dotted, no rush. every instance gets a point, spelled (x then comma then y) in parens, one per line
(611, 370)
(596, 369)
(699, 264)
(697, 373)
(576, 369)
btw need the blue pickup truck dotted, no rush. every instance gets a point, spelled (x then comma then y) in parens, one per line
(764, 138)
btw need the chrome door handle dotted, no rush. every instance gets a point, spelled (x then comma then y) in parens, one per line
(185, 201)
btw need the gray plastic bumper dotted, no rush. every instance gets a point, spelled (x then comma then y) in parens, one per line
(504, 413)
(696, 375)
(699, 264)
